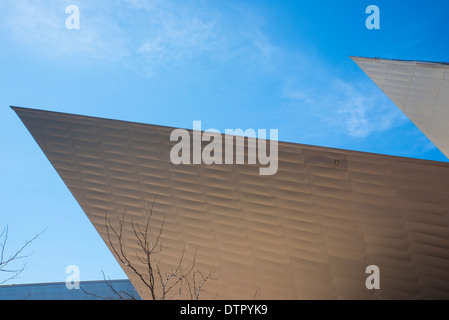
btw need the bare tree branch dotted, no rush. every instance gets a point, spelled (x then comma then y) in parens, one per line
(119, 295)
(160, 285)
(7, 261)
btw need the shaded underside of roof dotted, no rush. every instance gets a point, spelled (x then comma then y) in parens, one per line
(307, 232)
(419, 89)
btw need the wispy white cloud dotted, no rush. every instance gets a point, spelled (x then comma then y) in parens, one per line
(156, 36)
(297, 94)
(152, 35)
(355, 108)
(39, 26)
(174, 35)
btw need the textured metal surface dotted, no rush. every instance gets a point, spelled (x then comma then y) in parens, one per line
(419, 89)
(307, 232)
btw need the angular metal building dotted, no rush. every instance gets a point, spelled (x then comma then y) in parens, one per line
(419, 89)
(307, 232)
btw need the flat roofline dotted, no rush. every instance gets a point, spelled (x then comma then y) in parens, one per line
(61, 283)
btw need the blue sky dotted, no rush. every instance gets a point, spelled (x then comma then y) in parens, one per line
(231, 64)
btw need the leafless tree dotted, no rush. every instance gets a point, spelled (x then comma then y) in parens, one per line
(116, 294)
(184, 280)
(7, 261)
